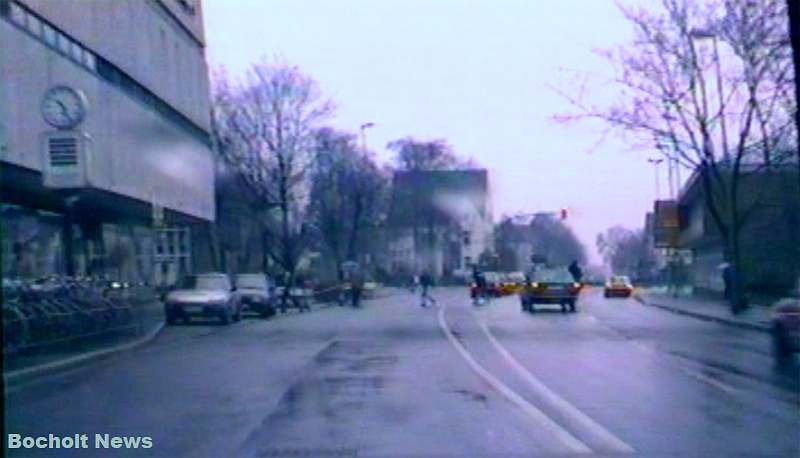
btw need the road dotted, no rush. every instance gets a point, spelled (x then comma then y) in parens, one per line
(393, 379)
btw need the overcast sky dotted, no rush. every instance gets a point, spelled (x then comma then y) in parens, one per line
(476, 73)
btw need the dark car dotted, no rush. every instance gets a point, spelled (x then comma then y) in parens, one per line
(550, 286)
(786, 327)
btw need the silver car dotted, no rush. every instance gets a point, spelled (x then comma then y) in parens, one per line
(255, 293)
(205, 295)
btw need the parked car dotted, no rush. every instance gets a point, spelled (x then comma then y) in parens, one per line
(206, 295)
(256, 294)
(618, 286)
(550, 286)
(786, 325)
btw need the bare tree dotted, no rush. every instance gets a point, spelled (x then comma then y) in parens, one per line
(626, 252)
(263, 130)
(347, 194)
(711, 83)
(415, 154)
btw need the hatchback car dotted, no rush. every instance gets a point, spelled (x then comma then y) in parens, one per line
(550, 286)
(256, 294)
(618, 286)
(204, 295)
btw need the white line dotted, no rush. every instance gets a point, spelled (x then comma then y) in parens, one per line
(598, 431)
(709, 380)
(562, 435)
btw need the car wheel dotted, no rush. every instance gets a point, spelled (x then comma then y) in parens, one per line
(225, 317)
(171, 320)
(238, 315)
(779, 346)
(572, 306)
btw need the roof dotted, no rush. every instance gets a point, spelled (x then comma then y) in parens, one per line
(438, 196)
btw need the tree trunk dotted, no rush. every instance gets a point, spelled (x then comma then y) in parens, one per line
(794, 33)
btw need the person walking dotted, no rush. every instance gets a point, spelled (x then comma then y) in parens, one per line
(426, 282)
(356, 286)
(575, 270)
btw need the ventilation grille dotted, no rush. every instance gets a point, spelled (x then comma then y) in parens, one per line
(63, 152)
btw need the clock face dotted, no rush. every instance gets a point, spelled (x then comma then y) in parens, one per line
(64, 107)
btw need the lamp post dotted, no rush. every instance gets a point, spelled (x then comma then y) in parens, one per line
(362, 130)
(705, 34)
(656, 162)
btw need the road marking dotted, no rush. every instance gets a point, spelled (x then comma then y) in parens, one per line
(673, 359)
(706, 379)
(598, 431)
(548, 425)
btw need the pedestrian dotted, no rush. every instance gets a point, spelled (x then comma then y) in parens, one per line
(575, 270)
(426, 281)
(356, 286)
(726, 280)
(480, 285)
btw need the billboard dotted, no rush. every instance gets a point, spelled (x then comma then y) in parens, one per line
(667, 227)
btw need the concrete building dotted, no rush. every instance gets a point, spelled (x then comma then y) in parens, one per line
(439, 220)
(104, 108)
(769, 239)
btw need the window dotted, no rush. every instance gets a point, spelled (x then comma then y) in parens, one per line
(76, 51)
(18, 14)
(89, 60)
(63, 42)
(49, 35)
(34, 25)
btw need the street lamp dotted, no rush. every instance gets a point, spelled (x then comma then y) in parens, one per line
(706, 34)
(362, 129)
(656, 162)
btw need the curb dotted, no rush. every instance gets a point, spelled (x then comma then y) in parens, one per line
(19, 377)
(700, 316)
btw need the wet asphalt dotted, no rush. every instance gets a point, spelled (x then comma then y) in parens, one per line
(393, 379)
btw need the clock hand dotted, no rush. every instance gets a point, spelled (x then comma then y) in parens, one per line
(64, 110)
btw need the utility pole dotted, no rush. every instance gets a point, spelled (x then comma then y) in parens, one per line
(656, 163)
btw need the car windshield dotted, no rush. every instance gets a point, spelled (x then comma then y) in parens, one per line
(212, 282)
(251, 281)
(552, 275)
(620, 280)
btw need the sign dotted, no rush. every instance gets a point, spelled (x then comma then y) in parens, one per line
(667, 227)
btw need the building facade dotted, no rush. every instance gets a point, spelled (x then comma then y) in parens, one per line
(440, 221)
(104, 108)
(769, 234)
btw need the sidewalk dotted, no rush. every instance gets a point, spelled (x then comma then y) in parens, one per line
(757, 317)
(148, 321)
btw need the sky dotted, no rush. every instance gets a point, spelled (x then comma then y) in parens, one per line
(479, 74)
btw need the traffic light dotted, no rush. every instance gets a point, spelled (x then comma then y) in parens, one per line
(563, 214)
